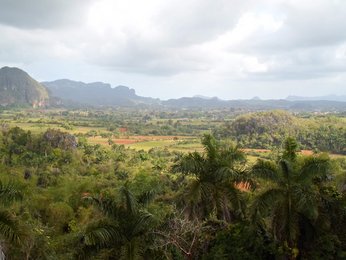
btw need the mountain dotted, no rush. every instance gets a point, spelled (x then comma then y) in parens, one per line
(256, 104)
(195, 102)
(204, 97)
(102, 94)
(18, 88)
(329, 98)
(96, 93)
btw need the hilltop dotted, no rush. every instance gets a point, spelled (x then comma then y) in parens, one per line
(18, 88)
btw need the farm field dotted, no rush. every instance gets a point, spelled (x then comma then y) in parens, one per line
(128, 128)
(181, 143)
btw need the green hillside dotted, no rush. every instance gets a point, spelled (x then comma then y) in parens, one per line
(267, 129)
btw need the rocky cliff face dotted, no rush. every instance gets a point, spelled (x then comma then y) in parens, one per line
(18, 88)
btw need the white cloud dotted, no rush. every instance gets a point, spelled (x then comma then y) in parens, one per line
(187, 43)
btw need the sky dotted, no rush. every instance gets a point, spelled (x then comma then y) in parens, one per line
(168, 49)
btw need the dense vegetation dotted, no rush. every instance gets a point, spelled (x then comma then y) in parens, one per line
(63, 197)
(267, 129)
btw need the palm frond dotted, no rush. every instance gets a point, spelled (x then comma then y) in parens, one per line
(265, 170)
(231, 154)
(266, 200)
(194, 191)
(290, 151)
(315, 168)
(142, 222)
(244, 176)
(107, 205)
(9, 192)
(236, 198)
(210, 146)
(286, 169)
(129, 200)
(101, 234)
(192, 163)
(226, 173)
(146, 197)
(305, 198)
(9, 227)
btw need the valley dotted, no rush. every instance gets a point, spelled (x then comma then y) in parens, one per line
(86, 181)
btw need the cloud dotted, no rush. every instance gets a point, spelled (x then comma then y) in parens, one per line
(169, 42)
(29, 46)
(305, 24)
(238, 38)
(157, 37)
(41, 14)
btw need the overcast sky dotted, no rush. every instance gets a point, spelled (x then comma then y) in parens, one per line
(173, 48)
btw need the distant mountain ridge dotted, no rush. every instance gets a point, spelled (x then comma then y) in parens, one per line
(204, 97)
(96, 93)
(328, 97)
(18, 88)
(256, 104)
(102, 94)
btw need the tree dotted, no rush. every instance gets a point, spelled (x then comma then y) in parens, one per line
(213, 177)
(182, 234)
(292, 195)
(124, 226)
(9, 225)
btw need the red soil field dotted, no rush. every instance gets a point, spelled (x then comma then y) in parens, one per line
(306, 152)
(125, 141)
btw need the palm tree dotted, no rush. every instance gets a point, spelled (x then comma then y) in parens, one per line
(291, 194)
(9, 226)
(124, 226)
(213, 176)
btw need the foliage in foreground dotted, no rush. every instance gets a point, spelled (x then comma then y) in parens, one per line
(84, 201)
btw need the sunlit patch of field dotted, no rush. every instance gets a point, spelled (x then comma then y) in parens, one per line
(186, 146)
(147, 145)
(39, 127)
(35, 127)
(251, 159)
(85, 129)
(246, 150)
(143, 142)
(335, 156)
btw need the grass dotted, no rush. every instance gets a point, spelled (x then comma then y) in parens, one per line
(187, 146)
(147, 145)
